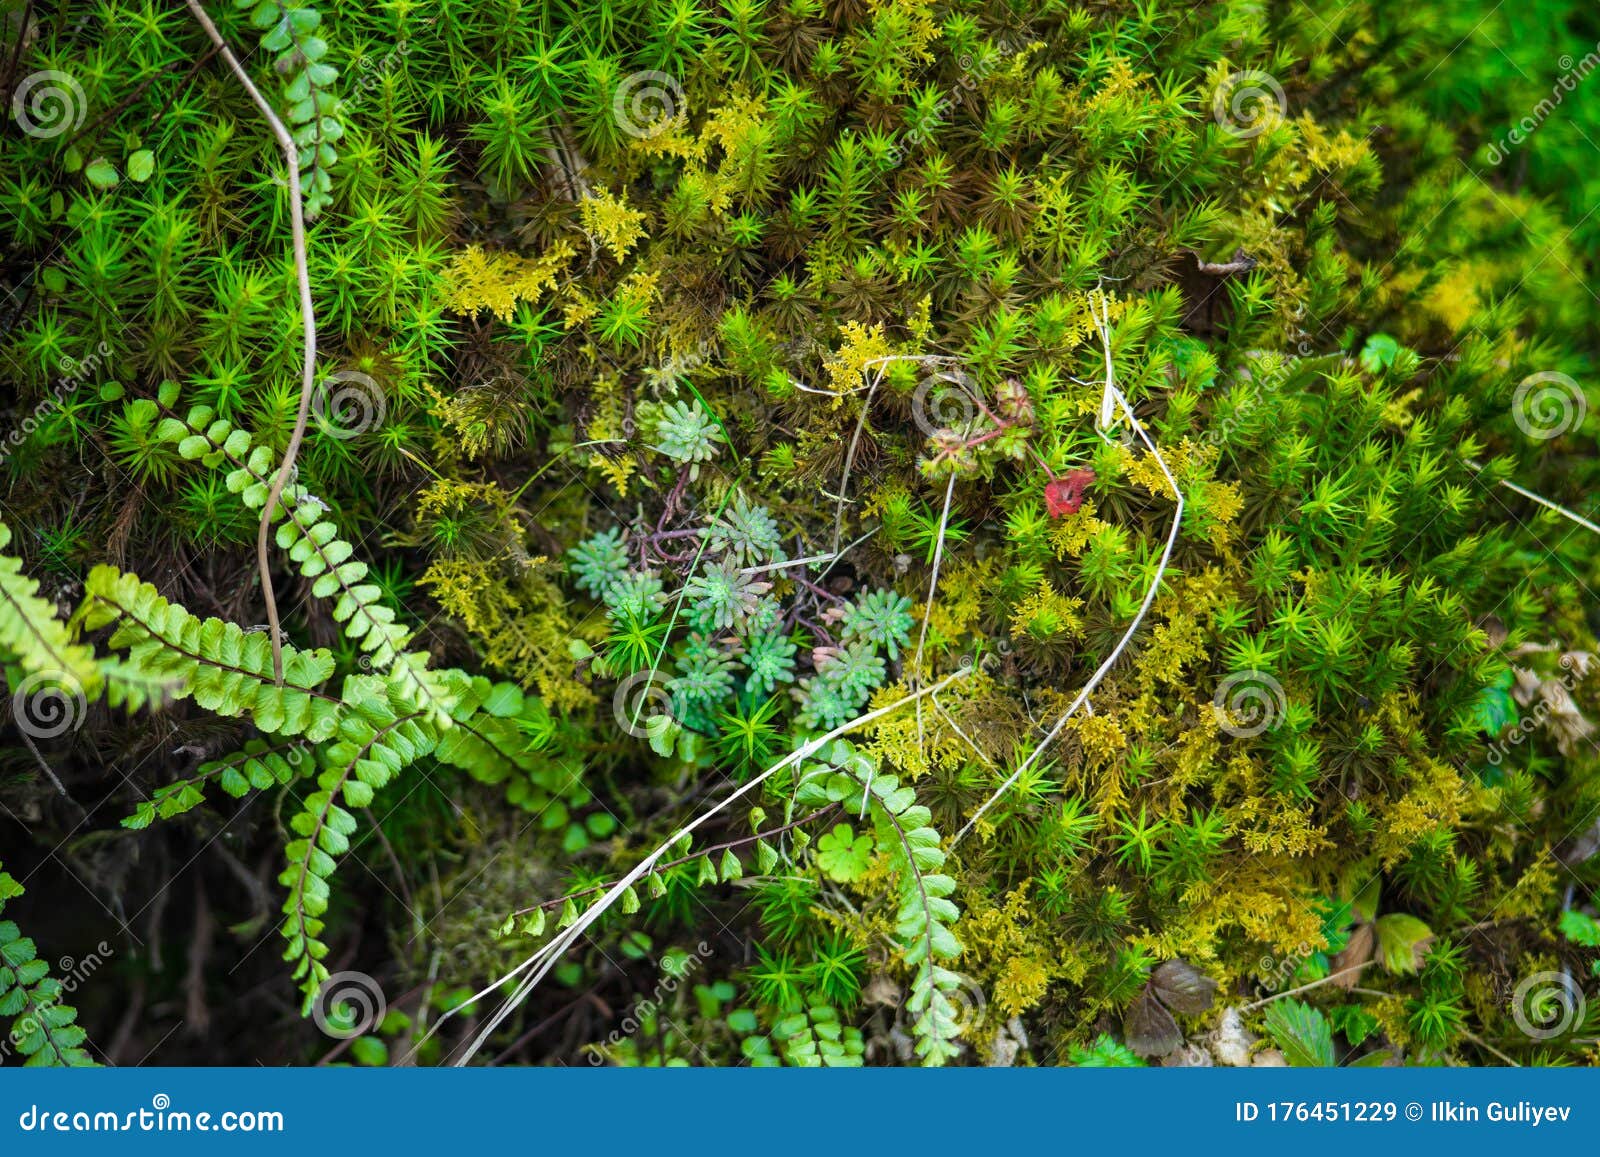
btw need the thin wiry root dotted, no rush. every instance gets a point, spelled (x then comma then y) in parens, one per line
(927, 608)
(1112, 394)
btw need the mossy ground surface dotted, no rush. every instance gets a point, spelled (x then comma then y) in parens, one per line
(694, 379)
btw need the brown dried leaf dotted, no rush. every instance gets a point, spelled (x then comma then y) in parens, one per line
(1183, 987)
(1149, 1028)
(1207, 307)
(1358, 951)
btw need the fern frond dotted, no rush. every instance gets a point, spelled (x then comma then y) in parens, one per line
(31, 635)
(810, 1039)
(131, 689)
(313, 544)
(378, 737)
(43, 1029)
(258, 766)
(498, 737)
(221, 666)
(311, 107)
(925, 913)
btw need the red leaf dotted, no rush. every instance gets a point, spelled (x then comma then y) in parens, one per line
(1063, 496)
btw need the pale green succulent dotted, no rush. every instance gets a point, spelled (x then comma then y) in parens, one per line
(845, 679)
(721, 597)
(687, 433)
(769, 659)
(598, 561)
(880, 617)
(637, 595)
(745, 534)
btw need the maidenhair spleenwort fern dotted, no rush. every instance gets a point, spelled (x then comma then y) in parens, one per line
(813, 1038)
(312, 540)
(835, 776)
(490, 747)
(224, 668)
(378, 737)
(42, 1028)
(290, 33)
(849, 778)
(258, 766)
(355, 741)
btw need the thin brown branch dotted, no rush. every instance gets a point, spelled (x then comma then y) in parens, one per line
(16, 50)
(1332, 976)
(297, 226)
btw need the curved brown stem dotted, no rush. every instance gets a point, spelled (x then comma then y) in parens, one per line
(297, 228)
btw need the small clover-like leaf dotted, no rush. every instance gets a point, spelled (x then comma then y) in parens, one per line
(842, 854)
(141, 165)
(102, 174)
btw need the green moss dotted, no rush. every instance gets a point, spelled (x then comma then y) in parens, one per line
(786, 326)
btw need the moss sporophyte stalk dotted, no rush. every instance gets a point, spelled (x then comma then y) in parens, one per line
(799, 532)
